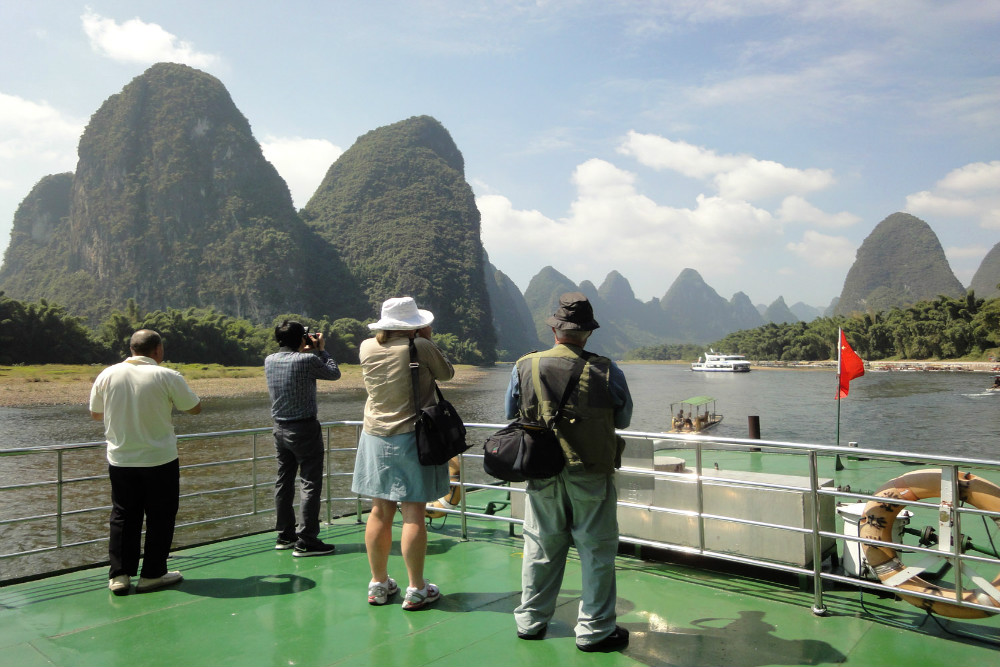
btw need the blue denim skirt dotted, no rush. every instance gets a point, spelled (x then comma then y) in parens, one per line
(387, 467)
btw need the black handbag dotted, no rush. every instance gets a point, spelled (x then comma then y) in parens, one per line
(524, 449)
(440, 430)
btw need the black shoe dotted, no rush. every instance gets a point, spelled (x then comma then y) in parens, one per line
(312, 549)
(281, 544)
(537, 634)
(613, 642)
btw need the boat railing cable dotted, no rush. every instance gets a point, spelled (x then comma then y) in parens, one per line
(671, 491)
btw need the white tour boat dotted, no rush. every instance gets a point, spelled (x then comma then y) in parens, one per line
(722, 363)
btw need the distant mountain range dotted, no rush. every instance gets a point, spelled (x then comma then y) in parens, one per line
(173, 204)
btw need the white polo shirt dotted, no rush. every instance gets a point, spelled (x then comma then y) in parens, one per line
(137, 397)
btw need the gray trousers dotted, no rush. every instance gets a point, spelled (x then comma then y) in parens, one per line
(299, 449)
(572, 508)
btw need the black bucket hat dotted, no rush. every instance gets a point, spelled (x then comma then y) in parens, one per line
(575, 312)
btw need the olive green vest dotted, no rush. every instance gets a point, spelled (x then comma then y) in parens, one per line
(586, 428)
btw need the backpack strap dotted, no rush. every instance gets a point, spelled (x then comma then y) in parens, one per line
(574, 379)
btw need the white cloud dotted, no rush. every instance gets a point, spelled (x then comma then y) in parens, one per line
(735, 176)
(823, 250)
(758, 179)
(613, 226)
(926, 203)
(974, 251)
(505, 228)
(301, 162)
(661, 153)
(36, 139)
(795, 209)
(36, 130)
(971, 191)
(813, 88)
(136, 41)
(973, 177)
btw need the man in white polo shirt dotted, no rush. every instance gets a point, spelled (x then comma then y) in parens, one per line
(134, 399)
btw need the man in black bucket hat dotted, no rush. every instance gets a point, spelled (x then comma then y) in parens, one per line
(579, 505)
(575, 313)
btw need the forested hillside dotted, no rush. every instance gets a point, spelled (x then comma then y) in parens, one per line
(945, 328)
(398, 209)
(986, 281)
(899, 263)
(173, 207)
(172, 204)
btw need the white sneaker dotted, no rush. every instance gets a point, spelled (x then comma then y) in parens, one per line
(169, 579)
(418, 598)
(379, 592)
(120, 585)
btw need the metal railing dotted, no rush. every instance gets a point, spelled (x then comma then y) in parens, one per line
(46, 497)
(40, 492)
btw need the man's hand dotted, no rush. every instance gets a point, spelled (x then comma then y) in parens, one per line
(313, 342)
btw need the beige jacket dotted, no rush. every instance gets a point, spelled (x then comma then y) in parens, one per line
(386, 371)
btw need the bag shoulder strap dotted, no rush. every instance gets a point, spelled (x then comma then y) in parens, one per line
(574, 378)
(415, 378)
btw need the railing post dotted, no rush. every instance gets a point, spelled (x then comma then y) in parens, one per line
(357, 441)
(819, 608)
(461, 489)
(949, 526)
(253, 472)
(59, 498)
(329, 478)
(701, 498)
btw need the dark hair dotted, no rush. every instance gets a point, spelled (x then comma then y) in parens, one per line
(289, 334)
(144, 342)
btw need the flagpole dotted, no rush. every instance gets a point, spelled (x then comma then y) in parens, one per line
(840, 337)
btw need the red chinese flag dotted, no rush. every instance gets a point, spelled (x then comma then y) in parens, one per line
(849, 365)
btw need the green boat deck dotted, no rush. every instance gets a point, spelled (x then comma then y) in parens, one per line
(244, 603)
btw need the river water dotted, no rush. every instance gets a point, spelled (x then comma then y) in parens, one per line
(927, 412)
(947, 413)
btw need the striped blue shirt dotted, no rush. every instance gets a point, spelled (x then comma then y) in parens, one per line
(291, 382)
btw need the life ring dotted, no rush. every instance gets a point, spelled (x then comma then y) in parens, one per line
(876, 524)
(451, 499)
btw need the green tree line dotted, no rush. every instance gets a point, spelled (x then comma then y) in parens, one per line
(43, 333)
(945, 328)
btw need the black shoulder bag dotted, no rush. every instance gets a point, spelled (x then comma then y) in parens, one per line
(526, 449)
(440, 431)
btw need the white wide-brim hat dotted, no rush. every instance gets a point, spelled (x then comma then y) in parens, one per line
(402, 314)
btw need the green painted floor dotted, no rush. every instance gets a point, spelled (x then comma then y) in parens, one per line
(243, 603)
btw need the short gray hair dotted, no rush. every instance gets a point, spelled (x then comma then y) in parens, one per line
(574, 336)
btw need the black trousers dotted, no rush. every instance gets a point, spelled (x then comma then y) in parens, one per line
(137, 493)
(299, 448)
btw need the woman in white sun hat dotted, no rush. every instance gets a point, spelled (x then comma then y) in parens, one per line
(387, 468)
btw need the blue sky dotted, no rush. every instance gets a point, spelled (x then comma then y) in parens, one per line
(756, 141)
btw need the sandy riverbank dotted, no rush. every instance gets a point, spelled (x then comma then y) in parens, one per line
(24, 392)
